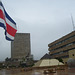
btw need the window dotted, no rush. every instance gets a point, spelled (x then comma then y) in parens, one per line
(65, 62)
(72, 54)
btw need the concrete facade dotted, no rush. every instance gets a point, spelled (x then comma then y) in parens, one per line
(72, 54)
(20, 47)
(64, 47)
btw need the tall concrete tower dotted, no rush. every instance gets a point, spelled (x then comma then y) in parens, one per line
(20, 47)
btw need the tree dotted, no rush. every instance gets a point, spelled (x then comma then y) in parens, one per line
(60, 59)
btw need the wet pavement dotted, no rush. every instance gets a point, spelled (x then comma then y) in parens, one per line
(36, 72)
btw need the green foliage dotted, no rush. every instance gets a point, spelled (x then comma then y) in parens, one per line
(60, 59)
(2, 66)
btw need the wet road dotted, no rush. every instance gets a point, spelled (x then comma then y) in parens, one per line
(36, 72)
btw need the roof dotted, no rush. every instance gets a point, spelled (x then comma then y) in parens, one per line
(47, 62)
(46, 56)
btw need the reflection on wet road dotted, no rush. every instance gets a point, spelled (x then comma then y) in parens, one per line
(36, 72)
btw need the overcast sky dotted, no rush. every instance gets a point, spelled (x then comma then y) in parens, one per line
(45, 20)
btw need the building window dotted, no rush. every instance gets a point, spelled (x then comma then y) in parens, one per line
(65, 62)
(72, 54)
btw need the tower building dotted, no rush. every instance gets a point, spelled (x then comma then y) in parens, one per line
(20, 47)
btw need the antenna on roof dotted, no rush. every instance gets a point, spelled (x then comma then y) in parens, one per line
(72, 22)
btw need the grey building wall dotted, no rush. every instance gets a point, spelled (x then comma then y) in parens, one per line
(20, 47)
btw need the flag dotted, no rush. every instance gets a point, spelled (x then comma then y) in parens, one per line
(7, 23)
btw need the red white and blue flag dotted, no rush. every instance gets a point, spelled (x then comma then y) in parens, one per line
(7, 23)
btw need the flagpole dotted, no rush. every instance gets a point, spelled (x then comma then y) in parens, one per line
(72, 22)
